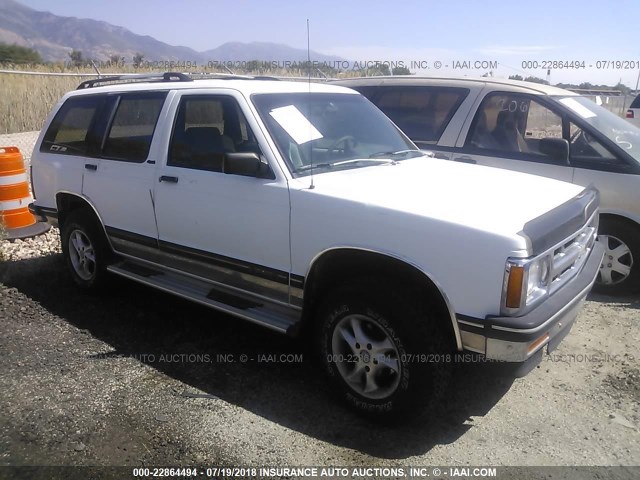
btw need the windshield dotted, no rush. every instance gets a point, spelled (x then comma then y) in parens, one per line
(616, 129)
(329, 131)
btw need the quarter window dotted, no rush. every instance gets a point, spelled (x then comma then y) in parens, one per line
(587, 152)
(131, 131)
(69, 132)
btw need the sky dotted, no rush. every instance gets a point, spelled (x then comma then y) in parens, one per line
(510, 33)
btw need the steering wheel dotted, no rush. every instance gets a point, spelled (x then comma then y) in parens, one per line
(581, 136)
(348, 142)
(575, 135)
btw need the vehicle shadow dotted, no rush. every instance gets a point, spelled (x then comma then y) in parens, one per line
(626, 301)
(146, 324)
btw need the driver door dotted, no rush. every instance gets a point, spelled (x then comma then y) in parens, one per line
(230, 228)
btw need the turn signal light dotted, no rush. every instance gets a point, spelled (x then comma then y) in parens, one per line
(514, 287)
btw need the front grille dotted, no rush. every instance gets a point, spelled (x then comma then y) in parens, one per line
(570, 256)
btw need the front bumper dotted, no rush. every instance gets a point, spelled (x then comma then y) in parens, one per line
(517, 339)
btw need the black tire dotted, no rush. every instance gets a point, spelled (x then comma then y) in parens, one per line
(613, 234)
(423, 350)
(85, 250)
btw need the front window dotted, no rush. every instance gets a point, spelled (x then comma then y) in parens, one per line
(513, 125)
(616, 129)
(326, 131)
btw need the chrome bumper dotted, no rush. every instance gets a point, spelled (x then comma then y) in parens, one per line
(499, 338)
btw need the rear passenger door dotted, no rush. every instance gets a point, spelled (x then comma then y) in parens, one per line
(229, 228)
(119, 181)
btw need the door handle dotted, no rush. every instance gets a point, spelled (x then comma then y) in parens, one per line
(165, 178)
(465, 159)
(91, 166)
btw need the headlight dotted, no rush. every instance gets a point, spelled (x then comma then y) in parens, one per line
(526, 283)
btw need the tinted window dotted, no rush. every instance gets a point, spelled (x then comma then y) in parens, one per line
(422, 113)
(69, 132)
(514, 125)
(206, 128)
(131, 131)
(635, 103)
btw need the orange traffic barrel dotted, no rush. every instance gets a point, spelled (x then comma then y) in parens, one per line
(15, 197)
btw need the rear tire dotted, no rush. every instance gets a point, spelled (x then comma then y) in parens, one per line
(85, 250)
(620, 270)
(384, 351)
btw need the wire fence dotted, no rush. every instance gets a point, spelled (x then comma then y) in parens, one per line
(28, 96)
(25, 141)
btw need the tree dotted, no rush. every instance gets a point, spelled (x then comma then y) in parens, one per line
(116, 60)
(383, 68)
(515, 77)
(623, 88)
(17, 54)
(536, 80)
(76, 58)
(137, 60)
(401, 71)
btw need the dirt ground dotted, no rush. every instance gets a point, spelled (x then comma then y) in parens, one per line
(136, 377)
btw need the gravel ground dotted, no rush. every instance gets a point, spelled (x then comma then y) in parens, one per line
(134, 377)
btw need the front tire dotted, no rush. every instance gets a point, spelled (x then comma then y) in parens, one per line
(85, 250)
(383, 351)
(620, 270)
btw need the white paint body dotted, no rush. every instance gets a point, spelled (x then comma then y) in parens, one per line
(457, 223)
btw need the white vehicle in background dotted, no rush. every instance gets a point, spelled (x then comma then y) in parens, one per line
(532, 128)
(633, 112)
(303, 208)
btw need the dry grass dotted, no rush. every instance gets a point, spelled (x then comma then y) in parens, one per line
(26, 100)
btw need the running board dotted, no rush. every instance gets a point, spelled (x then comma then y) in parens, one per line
(270, 315)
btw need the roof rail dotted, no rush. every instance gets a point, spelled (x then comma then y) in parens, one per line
(230, 76)
(144, 77)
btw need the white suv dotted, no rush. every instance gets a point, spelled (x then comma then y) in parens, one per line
(532, 128)
(303, 208)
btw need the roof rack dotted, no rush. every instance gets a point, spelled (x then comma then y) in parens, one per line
(231, 76)
(130, 78)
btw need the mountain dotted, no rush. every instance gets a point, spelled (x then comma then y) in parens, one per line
(54, 36)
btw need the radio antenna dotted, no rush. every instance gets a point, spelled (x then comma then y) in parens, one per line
(312, 186)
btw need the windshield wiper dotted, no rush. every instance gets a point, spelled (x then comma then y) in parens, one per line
(395, 154)
(344, 162)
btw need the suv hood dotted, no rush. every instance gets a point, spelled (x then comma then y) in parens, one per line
(474, 196)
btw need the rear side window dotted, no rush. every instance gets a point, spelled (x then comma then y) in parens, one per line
(635, 103)
(70, 130)
(422, 113)
(131, 131)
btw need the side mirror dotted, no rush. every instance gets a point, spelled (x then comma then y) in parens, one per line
(555, 148)
(247, 164)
